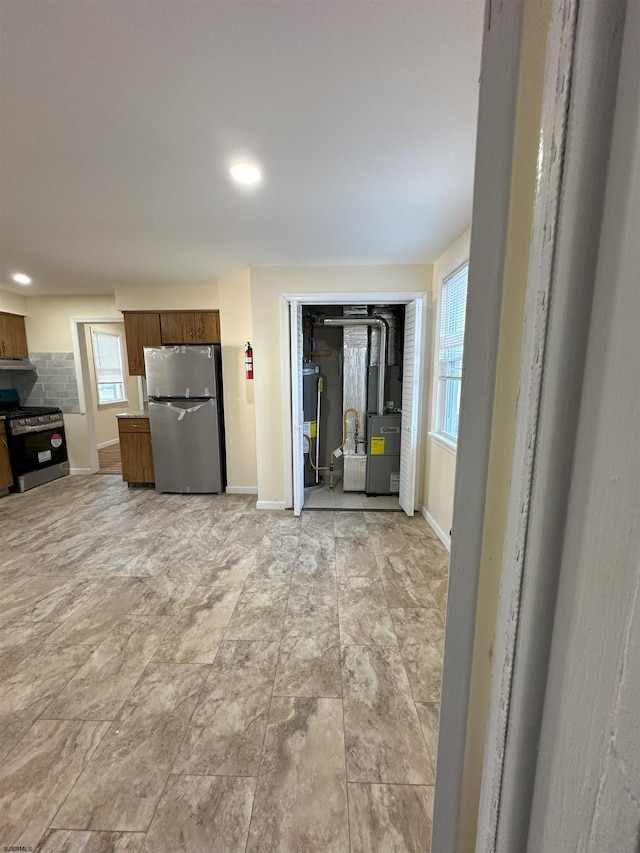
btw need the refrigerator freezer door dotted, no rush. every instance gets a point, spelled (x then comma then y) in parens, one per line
(186, 446)
(181, 371)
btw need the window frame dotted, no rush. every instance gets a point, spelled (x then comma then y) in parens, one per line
(121, 382)
(438, 433)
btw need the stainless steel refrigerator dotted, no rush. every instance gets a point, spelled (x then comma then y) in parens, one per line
(184, 384)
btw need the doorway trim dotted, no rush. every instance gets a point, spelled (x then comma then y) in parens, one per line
(287, 300)
(82, 366)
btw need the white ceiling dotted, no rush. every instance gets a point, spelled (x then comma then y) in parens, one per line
(119, 119)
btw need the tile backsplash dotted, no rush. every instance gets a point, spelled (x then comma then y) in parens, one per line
(54, 385)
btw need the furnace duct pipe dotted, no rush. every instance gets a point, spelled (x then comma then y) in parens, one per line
(378, 323)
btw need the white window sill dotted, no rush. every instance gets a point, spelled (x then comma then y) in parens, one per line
(113, 403)
(449, 445)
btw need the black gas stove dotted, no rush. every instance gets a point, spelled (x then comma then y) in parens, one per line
(36, 441)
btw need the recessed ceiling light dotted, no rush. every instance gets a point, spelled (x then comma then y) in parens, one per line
(245, 173)
(21, 278)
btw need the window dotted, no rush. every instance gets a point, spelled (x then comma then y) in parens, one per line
(107, 358)
(453, 303)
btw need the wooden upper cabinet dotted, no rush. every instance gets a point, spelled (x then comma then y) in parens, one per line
(190, 327)
(207, 325)
(13, 337)
(147, 329)
(178, 327)
(141, 329)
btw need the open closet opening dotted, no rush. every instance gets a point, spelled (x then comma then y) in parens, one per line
(356, 405)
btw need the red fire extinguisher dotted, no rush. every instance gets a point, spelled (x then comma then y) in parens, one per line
(248, 361)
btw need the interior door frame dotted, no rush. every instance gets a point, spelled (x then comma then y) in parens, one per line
(288, 368)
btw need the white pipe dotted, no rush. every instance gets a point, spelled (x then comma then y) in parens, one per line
(382, 357)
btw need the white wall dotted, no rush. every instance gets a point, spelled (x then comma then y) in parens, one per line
(267, 286)
(440, 466)
(236, 328)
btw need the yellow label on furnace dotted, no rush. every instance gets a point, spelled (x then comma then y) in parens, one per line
(377, 446)
(310, 428)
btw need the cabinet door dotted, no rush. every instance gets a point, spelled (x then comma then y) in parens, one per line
(137, 457)
(207, 327)
(141, 329)
(6, 476)
(13, 338)
(177, 327)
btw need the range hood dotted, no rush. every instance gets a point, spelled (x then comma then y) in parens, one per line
(16, 364)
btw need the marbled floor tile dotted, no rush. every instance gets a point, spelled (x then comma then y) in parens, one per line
(381, 519)
(312, 562)
(389, 541)
(100, 686)
(355, 558)
(27, 692)
(390, 818)
(439, 591)
(260, 611)
(419, 625)
(24, 592)
(64, 600)
(196, 633)
(248, 531)
(165, 596)
(207, 814)
(429, 716)
(432, 558)
(350, 525)
(382, 733)
(304, 620)
(423, 664)
(229, 564)
(91, 623)
(301, 801)
(365, 618)
(18, 640)
(404, 584)
(310, 665)
(37, 775)
(74, 841)
(276, 556)
(319, 543)
(319, 589)
(227, 728)
(120, 787)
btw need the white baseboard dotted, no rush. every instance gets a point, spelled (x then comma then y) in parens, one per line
(108, 443)
(74, 471)
(442, 536)
(242, 490)
(270, 505)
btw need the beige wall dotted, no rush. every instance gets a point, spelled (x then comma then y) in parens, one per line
(536, 21)
(440, 466)
(48, 320)
(48, 325)
(236, 328)
(104, 415)
(267, 285)
(166, 298)
(13, 303)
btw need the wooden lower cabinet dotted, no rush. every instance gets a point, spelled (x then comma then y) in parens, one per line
(136, 452)
(6, 475)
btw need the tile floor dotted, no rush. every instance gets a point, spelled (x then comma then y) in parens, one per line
(322, 497)
(186, 673)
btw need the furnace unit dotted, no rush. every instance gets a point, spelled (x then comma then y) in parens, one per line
(383, 466)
